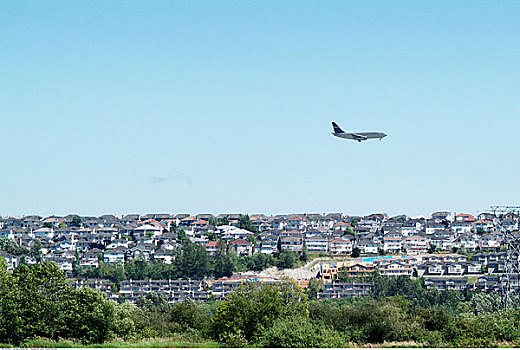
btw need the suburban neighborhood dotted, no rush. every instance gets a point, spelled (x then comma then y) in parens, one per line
(448, 250)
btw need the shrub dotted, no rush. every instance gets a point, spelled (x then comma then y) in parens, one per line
(257, 305)
(299, 332)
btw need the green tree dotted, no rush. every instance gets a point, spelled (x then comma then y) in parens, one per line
(304, 257)
(286, 259)
(76, 221)
(245, 223)
(349, 231)
(36, 250)
(356, 252)
(254, 306)
(314, 288)
(36, 301)
(153, 302)
(223, 221)
(181, 234)
(225, 263)
(11, 247)
(299, 332)
(192, 261)
(188, 315)
(213, 221)
(260, 261)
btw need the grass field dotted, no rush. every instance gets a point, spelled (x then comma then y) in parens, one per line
(150, 343)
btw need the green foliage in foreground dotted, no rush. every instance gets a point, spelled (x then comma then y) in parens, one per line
(155, 343)
(38, 309)
(37, 302)
(255, 306)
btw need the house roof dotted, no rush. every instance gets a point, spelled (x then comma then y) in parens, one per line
(241, 242)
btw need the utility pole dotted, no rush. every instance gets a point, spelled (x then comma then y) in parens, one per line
(510, 278)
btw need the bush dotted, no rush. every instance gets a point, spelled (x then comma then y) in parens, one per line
(434, 319)
(299, 332)
(257, 305)
(37, 302)
(469, 330)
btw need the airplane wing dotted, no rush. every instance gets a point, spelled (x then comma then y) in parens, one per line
(359, 137)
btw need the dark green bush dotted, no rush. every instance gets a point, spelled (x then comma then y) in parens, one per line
(299, 332)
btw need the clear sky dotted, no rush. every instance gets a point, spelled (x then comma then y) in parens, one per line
(225, 106)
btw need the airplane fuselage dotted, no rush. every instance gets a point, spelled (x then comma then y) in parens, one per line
(356, 136)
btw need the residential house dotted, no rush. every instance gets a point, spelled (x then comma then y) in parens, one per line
(296, 222)
(147, 231)
(484, 226)
(394, 268)
(317, 244)
(114, 255)
(12, 260)
(162, 255)
(489, 241)
(464, 218)
(442, 216)
(140, 251)
(187, 221)
(91, 258)
(367, 246)
(357, 269)
(292, 243)
(445, 283)
(442, 240)
(269, 244)
(392, 244)
(44, 232)
(467, 242)
(31, 220)
(338, 290)
(433, 226)
(415, 244)
(232, 232)
(456, 269)
(242, 247)
(341, 226)
(462, 227)
(340, 246)
(212, 248)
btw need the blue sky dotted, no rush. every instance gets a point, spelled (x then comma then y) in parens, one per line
(187, 106)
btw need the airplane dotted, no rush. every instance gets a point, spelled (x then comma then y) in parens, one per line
(358, 136)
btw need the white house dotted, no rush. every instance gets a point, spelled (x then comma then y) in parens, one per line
(484, 225)
(147, 231)
(415, 244)
(367, 246)
(392, 244)
(317, 244)
(115, 255)
(340, 246)
(462, 227)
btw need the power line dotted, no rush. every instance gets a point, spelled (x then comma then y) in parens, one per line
(509, 279)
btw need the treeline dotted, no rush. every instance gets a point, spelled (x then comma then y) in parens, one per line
(189, 261)
(36, 302)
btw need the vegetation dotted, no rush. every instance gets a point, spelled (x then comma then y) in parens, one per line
(190, 261)
(36, 301)
(39, 309)
(11, 247)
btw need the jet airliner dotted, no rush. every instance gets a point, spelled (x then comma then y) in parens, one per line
(358, 136)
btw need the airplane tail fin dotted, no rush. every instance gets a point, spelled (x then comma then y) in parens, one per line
(337, 129)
